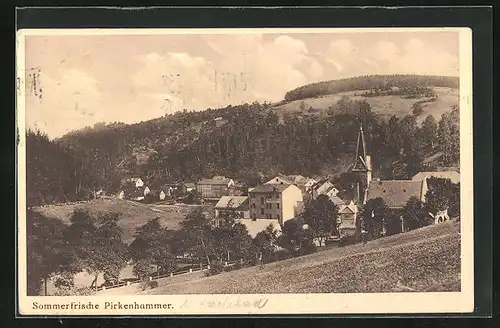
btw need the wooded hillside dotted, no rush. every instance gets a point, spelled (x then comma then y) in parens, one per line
(249, 141)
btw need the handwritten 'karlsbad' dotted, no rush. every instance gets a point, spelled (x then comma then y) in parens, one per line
(230, 303)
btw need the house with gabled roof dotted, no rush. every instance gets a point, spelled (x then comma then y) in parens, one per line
(234, 204)
(347, 219)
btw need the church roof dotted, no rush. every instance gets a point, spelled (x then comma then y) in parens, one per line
(395, 193)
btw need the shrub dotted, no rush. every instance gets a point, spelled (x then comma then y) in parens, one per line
(417, 109)
(347, 240)
(149, 284)
(215, 268)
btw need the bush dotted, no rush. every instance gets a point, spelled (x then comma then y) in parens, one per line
(215, 268)
(149, 284)
(237, 265)
(417, 109)
(347, 240)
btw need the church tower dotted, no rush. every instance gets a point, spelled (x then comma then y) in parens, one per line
(362, 167)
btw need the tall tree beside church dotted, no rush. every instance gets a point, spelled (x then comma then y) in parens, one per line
(429, 131)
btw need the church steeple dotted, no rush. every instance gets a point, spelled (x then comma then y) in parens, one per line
(362, 167)
(362, 161)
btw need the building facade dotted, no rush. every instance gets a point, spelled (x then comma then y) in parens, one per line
(214, 188)
(275, 201)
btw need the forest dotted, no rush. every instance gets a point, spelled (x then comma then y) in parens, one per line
(253, 143)
(369, 82)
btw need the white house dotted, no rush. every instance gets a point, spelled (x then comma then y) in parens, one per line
(232, 204)
(138, 182)
(452, 175)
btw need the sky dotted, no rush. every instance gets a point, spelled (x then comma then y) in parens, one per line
(85, 79)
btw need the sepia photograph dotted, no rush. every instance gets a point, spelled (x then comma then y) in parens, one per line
(240, 171)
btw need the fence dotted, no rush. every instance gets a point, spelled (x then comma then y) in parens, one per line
(202, 267)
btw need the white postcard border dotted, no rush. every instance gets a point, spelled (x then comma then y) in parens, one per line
(376, 303)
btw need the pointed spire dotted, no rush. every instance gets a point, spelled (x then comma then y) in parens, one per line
(360, 161)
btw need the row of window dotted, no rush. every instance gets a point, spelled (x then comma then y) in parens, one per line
(268, 206)
(269, 216)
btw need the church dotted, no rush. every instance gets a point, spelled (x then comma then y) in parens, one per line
(395, 193)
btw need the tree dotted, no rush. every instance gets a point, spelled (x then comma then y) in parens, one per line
(197, 233)
(231, 237)
(321, 216)
(97, 244)
(265, 240)
(439, 194)
(375, 215)
(454, 204)
(414, 214)
(449, 136)
(193, 197)
(47, 252)
(151, 247)
(429, 131)
(296, 238)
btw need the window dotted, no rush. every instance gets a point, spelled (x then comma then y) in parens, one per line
(262, 200)
(278, 206)
(253, 205)
(262, 211)
(278, 216)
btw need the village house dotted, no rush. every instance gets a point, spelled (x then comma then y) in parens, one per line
(300, 181)
(454, 176)
(189, 187)
(213, 189)
(323, 187)
(347, 219)
(138, 193)
(137, 181)
(162, 195)
(274, 201)
(232, 204)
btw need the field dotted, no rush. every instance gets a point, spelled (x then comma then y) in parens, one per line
(133, 214)
(384, 105)
(424, 260)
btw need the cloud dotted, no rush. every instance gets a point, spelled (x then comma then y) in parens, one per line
(411, 56)
(70, 98)
(342, 47)
(252, 69)
(385, 51)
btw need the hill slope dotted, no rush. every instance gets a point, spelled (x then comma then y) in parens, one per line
(423, 260)
(385, 105)
(133, 214)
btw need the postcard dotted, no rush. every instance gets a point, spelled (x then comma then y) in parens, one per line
(244, 171)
